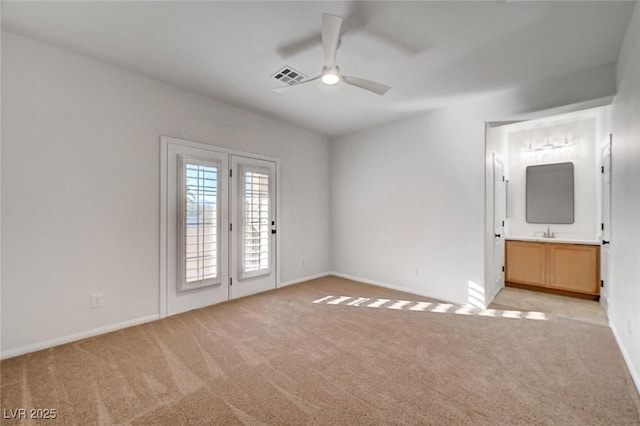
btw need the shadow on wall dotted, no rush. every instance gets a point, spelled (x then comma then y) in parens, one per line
(566, 90)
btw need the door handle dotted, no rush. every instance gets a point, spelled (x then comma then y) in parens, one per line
(605, 242)
(498, 235)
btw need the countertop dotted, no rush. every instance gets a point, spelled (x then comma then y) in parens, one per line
(555, 240)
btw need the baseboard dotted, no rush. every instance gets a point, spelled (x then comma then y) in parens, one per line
(10, 353)
(76, 336)
(627, 358)
(604, 302)
(389, 286)
(301, 280)
(540, 289)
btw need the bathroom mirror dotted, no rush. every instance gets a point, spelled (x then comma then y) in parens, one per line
(550, 193)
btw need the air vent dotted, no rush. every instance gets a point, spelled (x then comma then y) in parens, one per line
(289, 76)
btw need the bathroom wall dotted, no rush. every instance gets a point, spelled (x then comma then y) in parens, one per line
(584, 133)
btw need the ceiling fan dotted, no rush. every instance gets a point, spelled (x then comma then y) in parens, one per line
(330, 75)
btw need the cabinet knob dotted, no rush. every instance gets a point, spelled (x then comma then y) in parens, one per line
(498, 235)
(605, 242)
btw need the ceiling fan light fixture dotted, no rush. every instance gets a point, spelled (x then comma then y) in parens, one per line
(331, 77)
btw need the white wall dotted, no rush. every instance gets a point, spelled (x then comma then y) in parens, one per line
(407, 209)
(0, 175)
(408, 198)
(624, 294)
(582, 135)
(80, 189)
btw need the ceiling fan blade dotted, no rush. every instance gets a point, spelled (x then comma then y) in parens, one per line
(290, 49)
(369, 85)
(285, 88)
(331, 26)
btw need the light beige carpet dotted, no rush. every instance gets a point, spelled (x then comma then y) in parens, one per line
(280, 358)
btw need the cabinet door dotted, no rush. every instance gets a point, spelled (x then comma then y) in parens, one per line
(574, 268)
(526, 263)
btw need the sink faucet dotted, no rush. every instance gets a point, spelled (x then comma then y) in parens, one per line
(549, 234)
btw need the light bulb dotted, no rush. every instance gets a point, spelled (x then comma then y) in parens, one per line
(330, 78)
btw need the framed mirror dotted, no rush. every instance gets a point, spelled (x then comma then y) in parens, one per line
(550, 193)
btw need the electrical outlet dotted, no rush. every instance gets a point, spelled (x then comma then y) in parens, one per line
(96, 300)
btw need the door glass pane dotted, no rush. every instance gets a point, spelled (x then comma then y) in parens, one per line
(201, 222)
(256, 256)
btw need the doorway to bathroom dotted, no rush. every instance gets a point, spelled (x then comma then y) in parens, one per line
(565, 256)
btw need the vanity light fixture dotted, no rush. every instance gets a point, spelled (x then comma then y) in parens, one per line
(547, 146)
(550, 146)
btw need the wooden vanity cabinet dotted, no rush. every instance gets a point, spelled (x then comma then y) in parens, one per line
(566, 268)
(574, 267)
(526, 263)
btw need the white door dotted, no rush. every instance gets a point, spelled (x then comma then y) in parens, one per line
(196, 206)
(499, 215)
(252, 226)
(606, 223)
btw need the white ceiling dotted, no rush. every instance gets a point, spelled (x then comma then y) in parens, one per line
(431, 53)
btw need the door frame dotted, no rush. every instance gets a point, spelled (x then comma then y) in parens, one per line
(605, 252)
(165, 141)
(501, 256)
(494, 146)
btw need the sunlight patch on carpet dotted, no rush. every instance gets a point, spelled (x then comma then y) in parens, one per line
(439, 308)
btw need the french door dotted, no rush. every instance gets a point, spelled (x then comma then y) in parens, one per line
(253, 226)
(218, 226)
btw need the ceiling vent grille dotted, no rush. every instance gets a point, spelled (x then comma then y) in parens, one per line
(289, 76)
